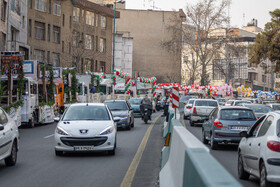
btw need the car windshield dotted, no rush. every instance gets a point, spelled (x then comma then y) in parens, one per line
(237, 114)
(239, 102)
(260, 108)
(86, 112)
(221, 100)
(185, 98)
(135, 101)
(206, 103)
(116, 105)
(276, 107)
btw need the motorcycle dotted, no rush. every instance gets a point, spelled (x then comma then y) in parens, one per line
(146, 112)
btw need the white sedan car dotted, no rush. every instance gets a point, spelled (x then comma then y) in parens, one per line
(86, 127)
(9, 139)
(259, 150)
(187, 108)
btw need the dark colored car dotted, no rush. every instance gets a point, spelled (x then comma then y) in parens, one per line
(123, 110)
(225, 124)
(185, 99)
(135, 104)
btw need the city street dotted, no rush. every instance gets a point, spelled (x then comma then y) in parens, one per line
(38, 166)
(226, 155)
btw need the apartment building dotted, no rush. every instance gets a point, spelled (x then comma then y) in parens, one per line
(71, 33)
(3, 24)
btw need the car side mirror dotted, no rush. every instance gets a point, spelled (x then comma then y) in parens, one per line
(1, 127)
(56, 119)
(117, 119)
(243, 134)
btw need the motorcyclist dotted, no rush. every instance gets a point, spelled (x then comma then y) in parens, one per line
(146, 102)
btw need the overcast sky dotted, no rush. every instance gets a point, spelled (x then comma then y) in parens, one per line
(258, 9)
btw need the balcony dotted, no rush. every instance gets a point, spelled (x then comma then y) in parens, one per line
(252, 70)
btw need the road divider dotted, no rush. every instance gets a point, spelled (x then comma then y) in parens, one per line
(187, 162)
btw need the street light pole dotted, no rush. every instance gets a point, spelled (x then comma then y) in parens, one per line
(114, 33)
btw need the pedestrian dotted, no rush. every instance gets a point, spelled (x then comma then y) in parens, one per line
(92, 90)
(167, 101)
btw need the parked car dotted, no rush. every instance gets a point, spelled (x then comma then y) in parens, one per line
(259, 150)
(135, 104)
(274, 106)
(188, 108)
(225, 123)
(259, 109)
(122, 109)
(86, 127)
(9, 139)
(221, 101)
(201, 110)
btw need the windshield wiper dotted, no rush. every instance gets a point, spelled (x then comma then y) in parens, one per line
(116, 109)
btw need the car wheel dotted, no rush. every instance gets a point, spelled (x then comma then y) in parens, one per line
(113, 152)
(58, 153)
(204, 140)
(132, 125)
(242, 174)
(191, 123)
(12, 159)
(214, 145)
(263, 174)
(128, 126)
(185, 117)
(31, 122)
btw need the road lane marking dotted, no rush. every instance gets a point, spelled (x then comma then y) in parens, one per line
(129, 176)
(49, 136)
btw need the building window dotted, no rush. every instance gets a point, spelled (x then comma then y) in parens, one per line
(95, 66)
(3, 41)
(96, 23)
(50, 7)
(96, 43)
(90, 18)
(48, 57)
(89, 42)
(49, 32)
(63, 20)
(76, 14)
(56, 34)
(56, 60)
(23, 22)
(30, 3)
(39, 55)
(103, 22)
(56, 8)
(102, 67)
(76, 38)
(102, 45)
(41, 5)
(39, 30)
(62, 46)
(264, 78)
(30, 28)
(70, 22)
(3, 10)
(16, 6)
(69, 48)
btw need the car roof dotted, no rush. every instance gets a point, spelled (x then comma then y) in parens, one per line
(107, 101)
(87, 104)
(234, 107)
(205, 100)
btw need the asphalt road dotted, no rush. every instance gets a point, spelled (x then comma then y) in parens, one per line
(38, 166)
(226, 155)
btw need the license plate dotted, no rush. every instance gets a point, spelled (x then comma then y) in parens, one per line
(83, 148)
(239, 128)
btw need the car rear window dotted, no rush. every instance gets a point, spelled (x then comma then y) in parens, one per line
(191, 102)
(237, 114)
(185, 98)
(116, 105)
(278, 128)
(276, 107)
(239, 102)
(260, 108)
(206, 103)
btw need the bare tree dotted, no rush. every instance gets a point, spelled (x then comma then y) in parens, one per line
(205, 16)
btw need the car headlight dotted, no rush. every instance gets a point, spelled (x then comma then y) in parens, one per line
(125, 117)
(108, 130)
(60, 131)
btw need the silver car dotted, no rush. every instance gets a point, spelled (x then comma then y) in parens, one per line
(259, 151)
(259, 109)
(225, 124)
(274, 106)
